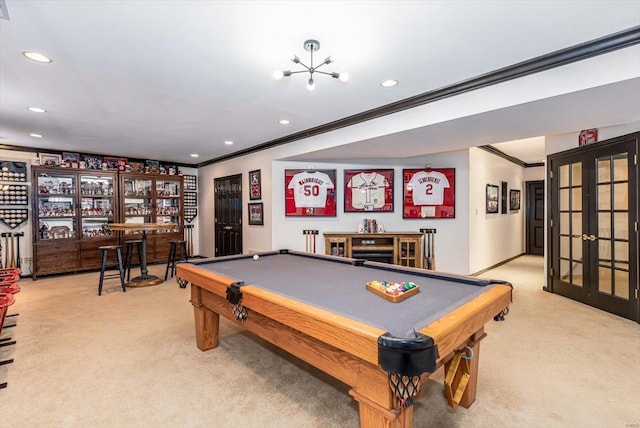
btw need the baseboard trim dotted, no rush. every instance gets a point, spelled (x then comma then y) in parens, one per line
(497, 264)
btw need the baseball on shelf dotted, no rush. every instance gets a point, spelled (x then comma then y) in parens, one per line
(256, 257)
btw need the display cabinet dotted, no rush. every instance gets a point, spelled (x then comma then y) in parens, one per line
(153, 198)
(401, 248)
(74, 207)
(71, 210)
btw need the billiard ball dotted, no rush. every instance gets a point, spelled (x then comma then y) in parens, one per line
(256, 257)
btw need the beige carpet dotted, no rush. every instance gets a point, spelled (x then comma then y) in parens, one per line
(130, 360)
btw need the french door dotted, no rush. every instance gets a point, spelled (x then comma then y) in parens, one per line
(594, 225)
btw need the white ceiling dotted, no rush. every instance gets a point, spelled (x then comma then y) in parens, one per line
(164, 79)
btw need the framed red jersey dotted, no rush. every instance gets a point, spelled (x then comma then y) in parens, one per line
(429, 193)
(310, 192)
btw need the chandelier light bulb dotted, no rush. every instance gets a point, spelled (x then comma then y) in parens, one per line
(311, 85)
(278, 75)
(344, 77)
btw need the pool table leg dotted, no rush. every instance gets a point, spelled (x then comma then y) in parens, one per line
(207, 322)
(469, 395)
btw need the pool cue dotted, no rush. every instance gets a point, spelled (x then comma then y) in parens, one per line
(13, 254)
(18, 235)
(315, 234)
(1, 264)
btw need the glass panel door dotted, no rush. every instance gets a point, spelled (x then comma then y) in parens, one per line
(594, 241)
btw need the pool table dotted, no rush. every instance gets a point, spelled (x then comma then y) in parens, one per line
(318, 309)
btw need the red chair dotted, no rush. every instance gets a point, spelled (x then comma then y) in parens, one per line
(11, 288)
(4, 279)
(10, 271)
(6, 300)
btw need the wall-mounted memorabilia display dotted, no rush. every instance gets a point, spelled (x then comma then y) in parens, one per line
(255, 185)
(13, 171)
(47, 159)
(503, 197)
(514, 200)
(368, 190)
(256, 214)
(310, 192)
(492, 199)
(190, 199)
(190, 182)
(190, 214)
(14, 217)
(429, 193)
(13, 194)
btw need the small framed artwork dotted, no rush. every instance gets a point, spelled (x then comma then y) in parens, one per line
(256, 217)
(70, 157)
(514, 200)
(47, 159)
(503, 197)
(368, 190)
(112, 163)
(93, 162)
(255, 185)
(310, 193)
(429, 193)
(152, 166)
(492, 199)
(136, 167)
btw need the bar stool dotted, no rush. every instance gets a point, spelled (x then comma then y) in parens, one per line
(105, 251)
(129, 253)
(171, 261)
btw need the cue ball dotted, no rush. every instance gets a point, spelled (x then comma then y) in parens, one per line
(256, 257)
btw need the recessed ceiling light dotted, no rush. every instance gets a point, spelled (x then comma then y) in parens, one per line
(36, 135)
(388, 83)
(194, 155)
(284, 122)
(36, 109)
(229, 143)
(38, 57)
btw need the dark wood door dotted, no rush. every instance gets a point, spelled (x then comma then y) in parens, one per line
(228, 215)
(535, 217)
(594, 230)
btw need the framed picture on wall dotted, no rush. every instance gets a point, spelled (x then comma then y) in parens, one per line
(514, 200)
(429, 193)
(503, 197)
(255, 185)
(492, 199)
(368, 190)
(310, 192)
(256, 214)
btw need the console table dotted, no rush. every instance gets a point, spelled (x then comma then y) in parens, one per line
(400, 248)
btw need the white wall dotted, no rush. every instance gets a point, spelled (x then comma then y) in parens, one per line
(451, 234)
(493, 238)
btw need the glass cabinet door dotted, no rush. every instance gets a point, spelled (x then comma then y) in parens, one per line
(168, 202)
(97, 205)
(137, 201)
(56, 206)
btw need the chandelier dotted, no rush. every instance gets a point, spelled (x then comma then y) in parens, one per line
(311, 46)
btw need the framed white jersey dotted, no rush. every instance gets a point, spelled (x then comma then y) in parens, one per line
(368, 190)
